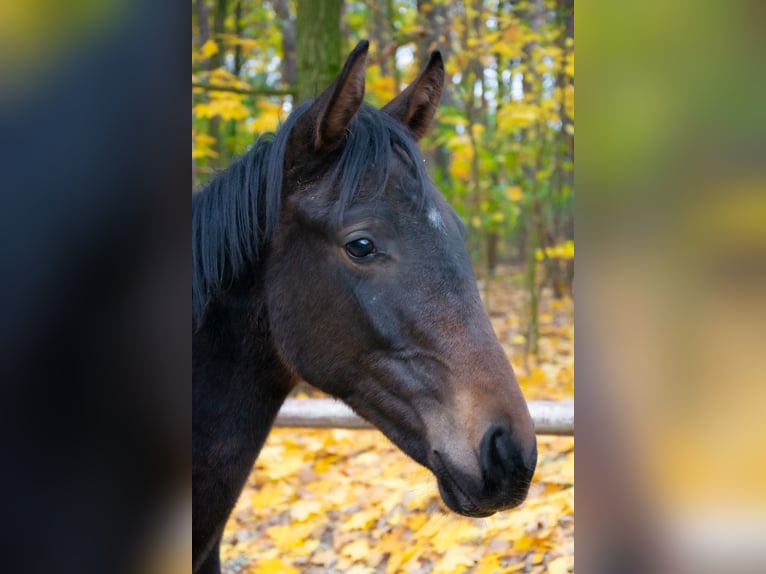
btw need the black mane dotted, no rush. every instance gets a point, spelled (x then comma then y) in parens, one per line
(238, 211)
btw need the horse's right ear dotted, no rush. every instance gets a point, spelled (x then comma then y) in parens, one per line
(335, 107)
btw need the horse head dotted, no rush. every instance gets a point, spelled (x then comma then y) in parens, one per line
(370, 295)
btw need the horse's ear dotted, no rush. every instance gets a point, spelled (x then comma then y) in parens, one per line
(338, 103)
(415, 106)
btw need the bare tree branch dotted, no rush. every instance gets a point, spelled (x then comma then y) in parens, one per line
(264, 91)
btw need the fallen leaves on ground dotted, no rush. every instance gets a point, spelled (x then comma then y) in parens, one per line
(349, 501)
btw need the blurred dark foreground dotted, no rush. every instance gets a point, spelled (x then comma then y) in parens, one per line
(94, 332)
(95, 391)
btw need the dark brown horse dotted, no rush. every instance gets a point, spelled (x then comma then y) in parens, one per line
(326, 253)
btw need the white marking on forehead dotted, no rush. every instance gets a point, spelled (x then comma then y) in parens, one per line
(435, 219)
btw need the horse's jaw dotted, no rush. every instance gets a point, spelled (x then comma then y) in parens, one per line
(480, 468)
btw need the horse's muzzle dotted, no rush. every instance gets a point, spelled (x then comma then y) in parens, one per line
(506, 472)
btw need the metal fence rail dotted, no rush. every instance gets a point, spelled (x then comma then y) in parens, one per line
(550, 417)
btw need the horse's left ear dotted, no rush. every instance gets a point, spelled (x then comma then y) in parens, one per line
(415, 106)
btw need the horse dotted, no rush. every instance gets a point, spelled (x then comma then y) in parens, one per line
(327, 254)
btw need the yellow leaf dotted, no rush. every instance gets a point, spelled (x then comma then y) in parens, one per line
(290, 536)
(305, 549)
(570, 65)
(514, 193)
(223, 77)
(268, 496)
(202, 146)
(419, 499)
(360, 520)
(302, 509)
(559, 565)
(561, 251)
(267, 120)
(322, 557)
(505, 49)
(209, 48)
(458, 141)
(518, 114)
(356, 550)
(273, 566)
(325, 463)
(489, 565)
(405, 554)
(453, 533)
(569, 100)
(416, 521)
(433, 526)
(455, 560)
(229, 108)
(523, 544)
(288, 463)
(382, 87)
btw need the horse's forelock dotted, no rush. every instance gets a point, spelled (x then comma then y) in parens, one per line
(239, 210)
(369, 155)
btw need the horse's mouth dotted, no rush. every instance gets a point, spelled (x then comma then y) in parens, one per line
(473, 496)
(455, 492)
(452, 493)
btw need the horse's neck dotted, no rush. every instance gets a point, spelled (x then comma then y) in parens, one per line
(238, 370)
(239, 384)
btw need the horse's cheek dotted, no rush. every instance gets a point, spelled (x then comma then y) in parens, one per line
(290, 306)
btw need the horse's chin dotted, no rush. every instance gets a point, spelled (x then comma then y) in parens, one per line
(467, 497)
(461, 492)
(459, 502)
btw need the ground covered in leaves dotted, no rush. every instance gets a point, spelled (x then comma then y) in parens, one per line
(349, 501)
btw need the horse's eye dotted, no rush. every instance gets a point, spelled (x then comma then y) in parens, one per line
(360, 248)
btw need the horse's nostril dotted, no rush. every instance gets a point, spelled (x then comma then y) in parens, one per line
(502, 447)
(498, 454)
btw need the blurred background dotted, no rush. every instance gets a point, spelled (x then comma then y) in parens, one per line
(671, 219)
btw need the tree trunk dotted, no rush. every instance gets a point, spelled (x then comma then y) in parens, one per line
(318, 45)
(536, 236)
(563, 273)
(219, 28)
(238, 34)
(493, 245)
(434, 21)
(379, 33)
(289, 73)
(202, 22)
